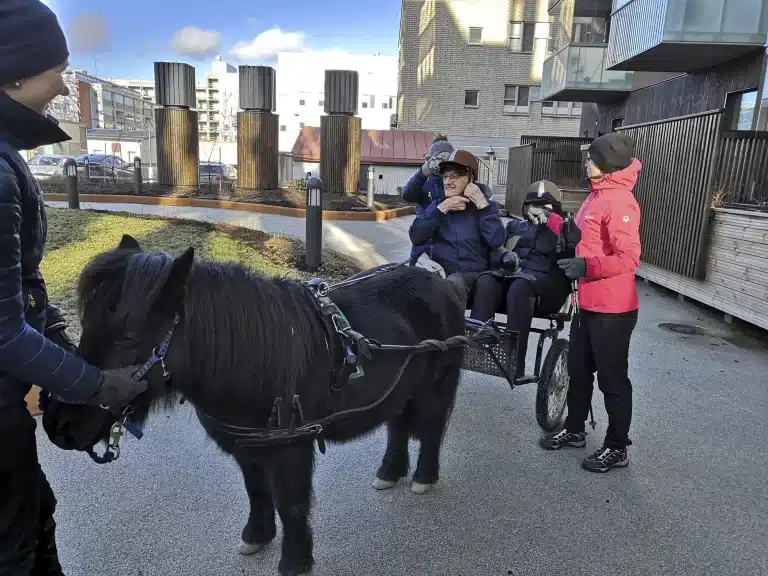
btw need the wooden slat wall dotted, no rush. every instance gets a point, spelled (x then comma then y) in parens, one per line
(340, 153)
(257, 150)
(736, 272)
(675, 189)
(558, 159)
(742, 172)
(519, 167)
(178, 162)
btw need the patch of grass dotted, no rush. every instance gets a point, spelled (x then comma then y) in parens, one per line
(76, 236)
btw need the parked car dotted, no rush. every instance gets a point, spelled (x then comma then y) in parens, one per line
(105, 165)
(213, 173)
(45, 166)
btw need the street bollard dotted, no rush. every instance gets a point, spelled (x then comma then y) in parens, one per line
(138, 184)
(314, 218)
(87, 169)
(70, 174)
(371, 186)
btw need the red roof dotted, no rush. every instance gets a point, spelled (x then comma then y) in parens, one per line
(401, 147)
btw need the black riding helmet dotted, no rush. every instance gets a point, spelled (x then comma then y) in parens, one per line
(541, 193)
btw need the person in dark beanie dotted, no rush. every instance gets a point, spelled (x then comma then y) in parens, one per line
(524, 275)
(33, 55)
(604, 265)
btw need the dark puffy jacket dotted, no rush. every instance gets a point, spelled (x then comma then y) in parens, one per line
(421, 190)
(458, 241)
(26, 356)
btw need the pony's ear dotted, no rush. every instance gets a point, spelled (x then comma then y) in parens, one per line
(172, 294)
(128, 242)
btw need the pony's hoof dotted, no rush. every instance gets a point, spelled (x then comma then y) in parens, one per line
(418, 488)
(247, 549)
(380, 484)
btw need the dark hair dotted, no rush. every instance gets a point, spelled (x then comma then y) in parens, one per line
(440, 138)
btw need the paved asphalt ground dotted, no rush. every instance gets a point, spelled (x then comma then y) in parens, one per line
(692, 501)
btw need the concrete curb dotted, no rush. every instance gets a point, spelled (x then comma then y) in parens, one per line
(241, 206)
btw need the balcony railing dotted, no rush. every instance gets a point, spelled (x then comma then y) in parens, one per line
(683, 35)
(577, 73)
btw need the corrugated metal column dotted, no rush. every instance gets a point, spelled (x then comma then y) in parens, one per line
(257, 129)
(340, 133)
(176, 125)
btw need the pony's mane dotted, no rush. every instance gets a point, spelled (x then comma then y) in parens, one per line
(236, 321)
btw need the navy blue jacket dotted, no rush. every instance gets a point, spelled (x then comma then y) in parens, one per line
(26, 356)
(458, 241)
(420, 190)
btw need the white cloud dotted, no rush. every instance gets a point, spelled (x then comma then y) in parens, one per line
(90, 33)
(267, 44)
(196, 43)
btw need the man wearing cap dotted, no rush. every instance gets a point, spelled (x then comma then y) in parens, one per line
(427, 183)
(460, 226)
(33, 55)
(604, 265)
(524, 275)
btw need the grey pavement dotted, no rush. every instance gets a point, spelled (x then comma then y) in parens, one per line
(692, 501)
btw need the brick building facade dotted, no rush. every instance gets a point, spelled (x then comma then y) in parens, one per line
(473, 68)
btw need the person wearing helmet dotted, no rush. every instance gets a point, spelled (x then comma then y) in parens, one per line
(524, 276)
(427, 183)
(460, 225)
(604, 265)
(33, 55)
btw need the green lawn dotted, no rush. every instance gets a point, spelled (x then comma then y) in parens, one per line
(74, 237)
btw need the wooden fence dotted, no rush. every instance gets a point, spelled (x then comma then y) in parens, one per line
(742, 170)
(519, 165)
(674, 190)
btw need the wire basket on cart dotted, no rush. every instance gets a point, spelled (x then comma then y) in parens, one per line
(496, 353)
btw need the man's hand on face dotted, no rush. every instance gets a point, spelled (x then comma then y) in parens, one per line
(473, 192)
(453, 204)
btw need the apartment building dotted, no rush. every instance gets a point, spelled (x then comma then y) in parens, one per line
(97, 103)
(637, 61)
(472, 69)
(301, 88)
(144, 87)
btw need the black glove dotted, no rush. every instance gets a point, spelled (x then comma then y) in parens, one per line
(118, 388)
(510, 262)
(574, 268)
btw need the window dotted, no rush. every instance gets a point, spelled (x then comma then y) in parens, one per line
(384, 106)
(283, 128)
(521, 35)
(301, 102)
(301, 125)
(516, 99)
(391, 102)
(475, 35)
(560, 108)
(616, 123)
(471, 99)
(365, 104)
(740, 107)
(373, 101)
(321, 103)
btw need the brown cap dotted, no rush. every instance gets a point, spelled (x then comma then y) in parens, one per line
(460, 158)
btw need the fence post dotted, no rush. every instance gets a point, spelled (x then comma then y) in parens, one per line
(371, 186)
(70, 173)
(314, 218)
(138, 183)
(87, 169)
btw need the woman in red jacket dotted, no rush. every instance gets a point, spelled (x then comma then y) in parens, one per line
(605, 264)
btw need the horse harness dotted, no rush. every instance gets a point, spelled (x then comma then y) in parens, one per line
(346, 350)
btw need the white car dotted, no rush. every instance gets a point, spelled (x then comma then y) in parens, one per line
(45, 166)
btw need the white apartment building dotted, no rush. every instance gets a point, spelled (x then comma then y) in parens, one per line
(301, 85)
(144, 87)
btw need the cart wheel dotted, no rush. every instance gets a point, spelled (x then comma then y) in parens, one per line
(553, 387)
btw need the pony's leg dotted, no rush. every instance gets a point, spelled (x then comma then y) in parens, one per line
(292, 484)
(394, 465)
(260, 529)
(430, 423)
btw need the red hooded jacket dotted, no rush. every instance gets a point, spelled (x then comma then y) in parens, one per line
(609, 220)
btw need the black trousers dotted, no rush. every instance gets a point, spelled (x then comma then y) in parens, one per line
(521, 303)
(27, 503)
(466, 283)
(600, 343)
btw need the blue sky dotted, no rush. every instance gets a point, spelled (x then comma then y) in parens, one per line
(123, 40)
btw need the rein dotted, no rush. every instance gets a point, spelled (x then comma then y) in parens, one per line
(120, 418)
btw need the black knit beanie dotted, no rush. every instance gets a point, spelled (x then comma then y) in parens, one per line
(612, 152)
(31, 40)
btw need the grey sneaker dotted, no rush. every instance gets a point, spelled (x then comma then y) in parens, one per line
(605, 459)
(563, 439)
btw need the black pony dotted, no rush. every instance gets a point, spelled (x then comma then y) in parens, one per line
(243, 340)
